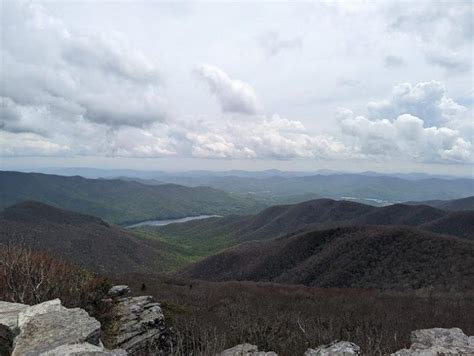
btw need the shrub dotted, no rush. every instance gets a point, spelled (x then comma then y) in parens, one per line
(33, 277)
(209, 317)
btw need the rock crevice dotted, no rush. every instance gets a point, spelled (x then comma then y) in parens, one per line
(139, 324)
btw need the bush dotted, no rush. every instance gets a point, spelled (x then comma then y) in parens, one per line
(33, 277)
(209, 317)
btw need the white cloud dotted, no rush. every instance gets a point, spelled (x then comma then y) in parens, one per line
(264, 138)
(23, 118)
(233, 95)
(418, 123)
(427, 100)
(444, 28)
(29, 144)
(405, 138)
(136, 142)
(49, 69)
(448, 22)
(70, 89)
(111, 55)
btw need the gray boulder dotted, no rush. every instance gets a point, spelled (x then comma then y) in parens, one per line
(118, 291)
(9, 325)
(140, 327)
(439, 341)
(246, 350)
(343, 348)
(47, 331)
(31, 311)
(9, 314)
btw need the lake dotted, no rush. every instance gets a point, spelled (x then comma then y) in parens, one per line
(171, 221)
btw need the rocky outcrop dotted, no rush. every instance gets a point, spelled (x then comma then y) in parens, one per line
(139, 325)
(246, 350)
(438, 341)
(49, 329)
(44, 332)
(343, 348)
(9, 324)
(119, 291)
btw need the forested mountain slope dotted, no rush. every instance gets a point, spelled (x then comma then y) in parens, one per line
(83, 239)
(366, 257)
(119, 201)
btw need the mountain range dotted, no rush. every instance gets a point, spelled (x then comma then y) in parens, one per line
(320, 242)
(119, 201)
(371, 189)
(126, 199)
(338, 248)
(89, 172)
(317, 214)
(330, 243)
(357, 257)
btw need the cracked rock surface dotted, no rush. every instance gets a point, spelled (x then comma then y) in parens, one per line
(140, 326)
(49, 329)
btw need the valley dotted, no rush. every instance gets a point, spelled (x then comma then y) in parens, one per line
(166, 245)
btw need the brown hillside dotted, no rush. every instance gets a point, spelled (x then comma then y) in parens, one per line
(376, 256)
(79, 238)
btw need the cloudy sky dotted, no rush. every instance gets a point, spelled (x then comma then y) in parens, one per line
(384, 86)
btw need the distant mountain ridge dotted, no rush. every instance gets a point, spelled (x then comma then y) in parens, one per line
(119, 201)
(359, 187)
(280, 187)
(89, 172)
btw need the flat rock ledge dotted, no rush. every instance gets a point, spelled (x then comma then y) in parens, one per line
(139, 325)
(49, 329)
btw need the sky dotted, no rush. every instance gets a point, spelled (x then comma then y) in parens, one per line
(353, 86)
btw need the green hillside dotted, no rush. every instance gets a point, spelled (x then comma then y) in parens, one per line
(119, 201)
